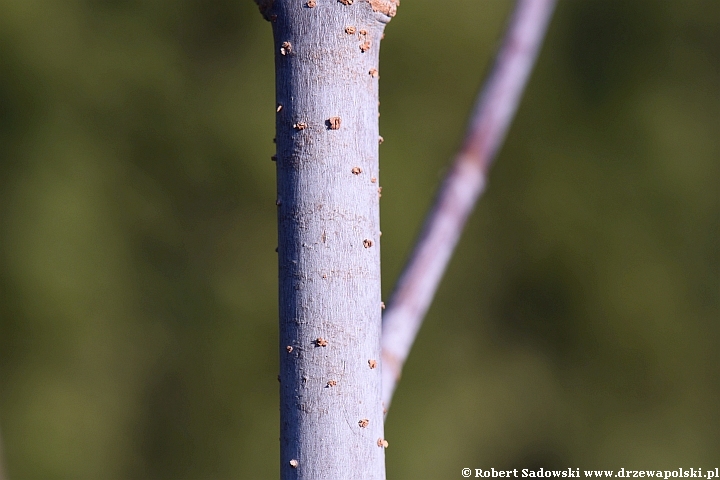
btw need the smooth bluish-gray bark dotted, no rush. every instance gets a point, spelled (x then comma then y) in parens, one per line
(326, 60)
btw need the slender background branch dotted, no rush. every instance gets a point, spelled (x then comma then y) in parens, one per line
(462, 186)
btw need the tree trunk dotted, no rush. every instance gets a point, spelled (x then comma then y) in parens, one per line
(326, 63)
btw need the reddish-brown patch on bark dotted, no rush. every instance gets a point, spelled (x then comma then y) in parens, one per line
(388, 7)
(393, 363)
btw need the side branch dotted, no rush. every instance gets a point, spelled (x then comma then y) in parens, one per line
(462, 186)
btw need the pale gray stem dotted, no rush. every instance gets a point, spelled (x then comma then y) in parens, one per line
(462, 186)
(326, 64)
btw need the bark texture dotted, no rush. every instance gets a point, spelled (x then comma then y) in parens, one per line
(326, 60)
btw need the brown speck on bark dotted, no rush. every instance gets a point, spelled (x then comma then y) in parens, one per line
(373, 180)
(311, 3)
(285, 48)
(294, 463)
(364, 423)
(372, 364)
(334, 123)
(379, 191)
(382, 443)
(300, 126)
(365, 46)
(363, 32)
(331, 383)
(367, 243)
(381, 140)
(350, 30)
(321, 342)
(346, 2)
(289, 348)
(323, 237)
(356, 170)
(373, 73)
(382, 305)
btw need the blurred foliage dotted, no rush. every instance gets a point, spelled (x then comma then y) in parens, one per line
(577, 325)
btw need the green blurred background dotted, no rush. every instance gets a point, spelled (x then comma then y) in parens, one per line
(577, 325)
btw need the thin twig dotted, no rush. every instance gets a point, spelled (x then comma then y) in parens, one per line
(462, 186)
